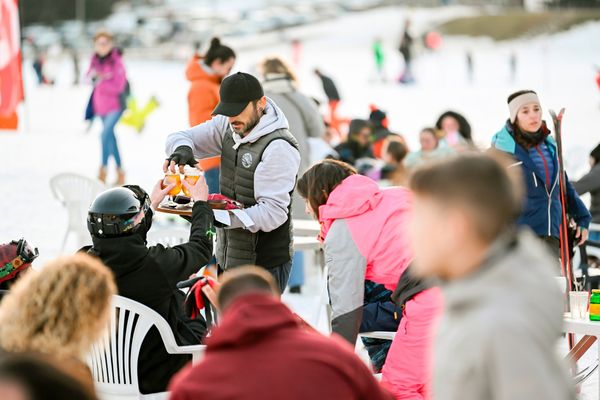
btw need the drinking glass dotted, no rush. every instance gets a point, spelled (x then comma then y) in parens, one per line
(578, 303)
(172, 178)
(191, 177)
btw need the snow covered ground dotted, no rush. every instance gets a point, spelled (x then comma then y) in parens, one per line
(53, 137)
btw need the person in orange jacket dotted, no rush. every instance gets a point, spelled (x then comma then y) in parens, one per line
(205, 74)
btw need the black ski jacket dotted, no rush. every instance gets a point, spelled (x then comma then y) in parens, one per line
(149, 276)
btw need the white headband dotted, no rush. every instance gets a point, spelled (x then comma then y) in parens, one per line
(519, 101)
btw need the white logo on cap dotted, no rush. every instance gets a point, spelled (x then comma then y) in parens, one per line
(247, 160)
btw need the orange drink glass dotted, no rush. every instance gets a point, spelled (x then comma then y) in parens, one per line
(172, 178)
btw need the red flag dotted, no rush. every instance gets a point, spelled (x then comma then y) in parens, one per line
(11, 86)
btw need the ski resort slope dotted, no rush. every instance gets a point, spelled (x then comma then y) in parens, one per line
(53, 136)
(53, 139)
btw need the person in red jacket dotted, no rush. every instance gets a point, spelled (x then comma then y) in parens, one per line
(262, 351)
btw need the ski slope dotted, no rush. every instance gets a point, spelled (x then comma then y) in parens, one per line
(53, 136)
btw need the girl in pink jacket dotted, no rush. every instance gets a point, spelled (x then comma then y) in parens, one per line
(108, 74)
(367, 250)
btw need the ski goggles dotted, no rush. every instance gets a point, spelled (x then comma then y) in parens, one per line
(25, 255)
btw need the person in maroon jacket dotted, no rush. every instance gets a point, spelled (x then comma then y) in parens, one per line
(261, 350)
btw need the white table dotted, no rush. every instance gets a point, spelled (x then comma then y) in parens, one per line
(308, 243)
(306, 227)
(302, 243)
(583, 327)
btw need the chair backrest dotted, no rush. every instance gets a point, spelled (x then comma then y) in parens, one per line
(170, 236)
(114, 359)
(76, 193)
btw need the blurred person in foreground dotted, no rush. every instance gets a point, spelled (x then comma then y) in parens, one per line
(118, 221)
(590, 182)
(59, 310)
(503, 310)
(269, 353)
(37, 377)
(526, 138)
(108, 75)
(281, 85)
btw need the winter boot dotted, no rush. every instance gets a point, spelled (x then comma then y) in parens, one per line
(120, 177)
(102, 175)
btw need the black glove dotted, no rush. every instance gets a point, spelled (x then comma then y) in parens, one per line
(183, 155)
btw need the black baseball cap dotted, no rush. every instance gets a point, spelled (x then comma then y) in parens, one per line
(236, 92)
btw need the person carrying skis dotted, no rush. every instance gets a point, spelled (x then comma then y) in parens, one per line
(526, 137)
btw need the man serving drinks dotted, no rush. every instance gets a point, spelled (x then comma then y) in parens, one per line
(259, 165)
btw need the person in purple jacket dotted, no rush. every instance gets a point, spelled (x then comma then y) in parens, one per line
(107, 72)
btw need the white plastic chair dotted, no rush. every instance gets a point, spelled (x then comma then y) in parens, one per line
(169, 236)
(114, 358)
(76, 193)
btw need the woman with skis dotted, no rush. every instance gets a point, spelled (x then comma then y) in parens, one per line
(526, 137)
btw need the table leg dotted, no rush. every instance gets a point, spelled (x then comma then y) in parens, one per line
(580, 349)
(598, 370)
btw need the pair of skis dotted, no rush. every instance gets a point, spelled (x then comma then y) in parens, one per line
(565, 250)
(579, 349)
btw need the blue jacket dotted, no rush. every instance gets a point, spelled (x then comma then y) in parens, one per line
(542, 210)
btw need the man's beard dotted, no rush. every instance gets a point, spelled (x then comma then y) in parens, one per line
(247, 128)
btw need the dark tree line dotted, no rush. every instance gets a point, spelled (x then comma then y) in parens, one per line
(50, 11)
(574, 3)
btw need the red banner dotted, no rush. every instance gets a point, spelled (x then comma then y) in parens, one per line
(11, 86)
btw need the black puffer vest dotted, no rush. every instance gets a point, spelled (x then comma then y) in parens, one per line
(237, 247)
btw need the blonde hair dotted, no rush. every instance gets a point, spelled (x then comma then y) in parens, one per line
(276, 65)
(60, 310)
(103, 33)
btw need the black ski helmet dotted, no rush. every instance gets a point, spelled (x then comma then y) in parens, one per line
(120, 211)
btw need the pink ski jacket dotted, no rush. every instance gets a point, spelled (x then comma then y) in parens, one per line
(364, 229)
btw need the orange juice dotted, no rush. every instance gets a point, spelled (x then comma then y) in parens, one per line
(191, 179)
(173, 178)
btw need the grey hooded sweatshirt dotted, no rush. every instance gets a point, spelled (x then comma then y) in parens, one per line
(501, 324)
(275, 175)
